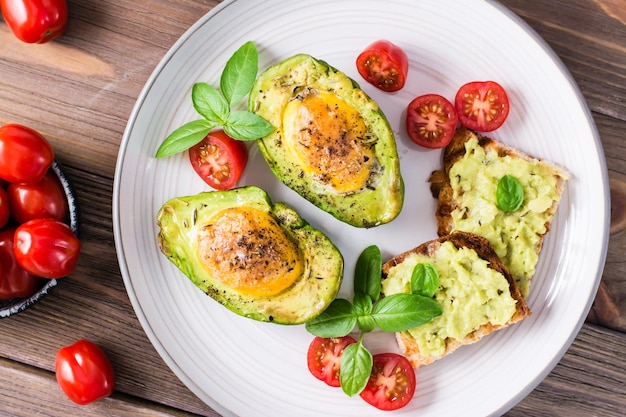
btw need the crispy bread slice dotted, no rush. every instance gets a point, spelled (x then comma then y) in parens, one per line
(462, 207)
(407, 341)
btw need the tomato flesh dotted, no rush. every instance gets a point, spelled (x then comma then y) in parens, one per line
(46, 248)
(219, 160)
(45, 198)
(84, 372)
(392, 382)
(431, 121)
(324, 358)
(482, 105)
(15, 282)
(384, 65)
(35, 21)
(25, 155)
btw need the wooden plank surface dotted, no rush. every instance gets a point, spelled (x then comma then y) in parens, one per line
(79, 92)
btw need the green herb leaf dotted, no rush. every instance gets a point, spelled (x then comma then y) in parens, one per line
(244, 125)
(185, 137)
(509, 194)
(209, 103)
(399, 312)
(363, 310)
(356, 367)
(424, 280)
(337, 320)
(240, 73)
(367, 273)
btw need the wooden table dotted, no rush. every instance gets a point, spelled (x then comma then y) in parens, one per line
(79, 91)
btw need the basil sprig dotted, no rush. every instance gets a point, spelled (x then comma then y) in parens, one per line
(509, 194)
(392, 313)
(216, 106)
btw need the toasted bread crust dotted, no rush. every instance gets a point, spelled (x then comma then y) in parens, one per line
(484, 250)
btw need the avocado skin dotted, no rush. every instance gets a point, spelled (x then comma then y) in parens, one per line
(382, 199)
(180, 219)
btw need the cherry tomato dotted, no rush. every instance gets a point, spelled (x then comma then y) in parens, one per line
(482, 105)
(392, 382)
(384, 65)
(324, 357)
(84, 372)
(431, 121)
(25, 155)
(5, 208)
(35, 21)
(219, 160)
(14, 281)
(45, 198)
(46, 248)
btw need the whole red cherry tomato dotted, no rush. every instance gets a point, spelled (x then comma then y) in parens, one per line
(14, 281)
(384, 65)
(25, 155)
(45, 198)
(219, 159)
(5, 208)
(84, 372)
(46, 248)
(35, 21)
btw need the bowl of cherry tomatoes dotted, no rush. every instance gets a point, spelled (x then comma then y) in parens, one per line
(38, 220)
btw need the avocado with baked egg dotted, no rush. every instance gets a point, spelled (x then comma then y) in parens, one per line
(257, 258)
(332, 143)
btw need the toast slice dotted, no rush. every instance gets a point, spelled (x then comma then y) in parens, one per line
(477, 293)
(466, 192)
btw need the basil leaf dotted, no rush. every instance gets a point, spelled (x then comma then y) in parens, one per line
(209, 103)
(336, 321)
(355, 368)
(399, 312)
(244, 125)
(424, 280)
(363, 310)
(509, 194)
(185, 137)
(240, 73)
(367, 273)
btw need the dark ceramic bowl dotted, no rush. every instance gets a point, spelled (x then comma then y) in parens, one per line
(14, 306)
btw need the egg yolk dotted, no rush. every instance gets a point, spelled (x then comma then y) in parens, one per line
(329, 137)
(246, 250)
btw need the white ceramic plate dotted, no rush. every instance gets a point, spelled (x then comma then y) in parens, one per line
(244, 368)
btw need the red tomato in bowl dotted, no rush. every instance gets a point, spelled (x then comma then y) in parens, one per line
(25, 155)
(482, 105)
(384, 65)
(45, 198)
(46, 248)
(35, 21)
(392, 382)
(5, 208)
(84, 372)
(15, 282)
(431, 121)
(324, 358)
(219, 160)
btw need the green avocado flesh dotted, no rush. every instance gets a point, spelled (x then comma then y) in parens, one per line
(332, 143)
(259, 259)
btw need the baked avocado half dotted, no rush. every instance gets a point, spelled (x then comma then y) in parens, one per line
(258, 259)
(332, 143)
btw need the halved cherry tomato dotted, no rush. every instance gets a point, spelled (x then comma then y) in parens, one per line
(482, 105)
(392, 382)
(431, 121)
(25, 155)
(14, 281)
(219, 160)
(46, 248)
(35, 21)
(324, 358)
(84, 372)
(384, 65)
(5, 208)
(45, 198)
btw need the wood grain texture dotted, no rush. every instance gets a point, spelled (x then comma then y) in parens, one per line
(79, 92)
